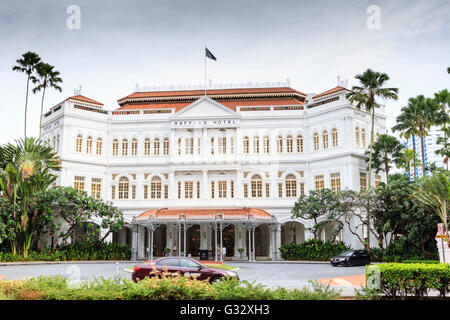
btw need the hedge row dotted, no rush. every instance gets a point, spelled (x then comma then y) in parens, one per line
(79, 251)
(399, 280)
(166, 288)
(312, 250)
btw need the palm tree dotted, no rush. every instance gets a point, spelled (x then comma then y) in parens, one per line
(371, 88)
(27, 64)
(406, 157)
(386, 151)
(442, 98)
(47, 78)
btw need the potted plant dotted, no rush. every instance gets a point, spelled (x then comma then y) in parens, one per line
(241, 251)
(167, 251)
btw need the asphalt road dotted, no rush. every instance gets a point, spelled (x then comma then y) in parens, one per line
(269, 274)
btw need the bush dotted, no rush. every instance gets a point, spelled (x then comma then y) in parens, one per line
(399, 280)
(78, 251)
(422, 261)
(166, 288)
(398, 251)
(312, 250)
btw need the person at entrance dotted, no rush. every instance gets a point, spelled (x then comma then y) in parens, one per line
(223, 252)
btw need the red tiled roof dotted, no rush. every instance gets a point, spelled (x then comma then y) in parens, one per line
(205, 214)
(232, 104)
(212, 92)
(336, 89)
(84, 99)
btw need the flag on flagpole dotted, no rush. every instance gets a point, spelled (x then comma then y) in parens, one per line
(208, 54)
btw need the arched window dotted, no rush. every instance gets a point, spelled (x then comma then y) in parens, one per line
(256, 184)
(280, 144)
(325, 139)
(147, 147)
(334, 137)
(79, 143)
(155, 188)
(266, 145)
(291, 186)
(256, 145)
(124, 147)
(299, 143)
(134, 147)
(166, 146)
(156, 145)
(357, 136)
(289, 144)
(115, 147)
(363, 137)
(89, 145)
(99, 146)
(316, 141)
(124, 187)
(246, 145)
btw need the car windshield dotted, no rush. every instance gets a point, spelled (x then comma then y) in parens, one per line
(346, 254)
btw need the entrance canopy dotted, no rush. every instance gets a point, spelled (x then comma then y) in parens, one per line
(204, 215)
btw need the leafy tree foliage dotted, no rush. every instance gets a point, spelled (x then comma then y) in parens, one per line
(386, 151)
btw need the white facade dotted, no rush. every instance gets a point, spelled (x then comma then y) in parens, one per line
(207, 146)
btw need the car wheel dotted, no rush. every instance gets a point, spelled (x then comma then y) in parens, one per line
(216, 279)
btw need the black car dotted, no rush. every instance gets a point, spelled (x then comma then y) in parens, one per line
(351, 258)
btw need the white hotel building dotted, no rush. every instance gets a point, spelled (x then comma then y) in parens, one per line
(193, 172)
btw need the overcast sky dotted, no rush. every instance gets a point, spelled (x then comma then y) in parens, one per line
(122, 43)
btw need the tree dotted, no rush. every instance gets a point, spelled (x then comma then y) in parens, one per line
(442, 98)
(434, 192)
(27, 64)
(46, 78)
(27, 168)
(406, 157)
(70, 208)
(318, 206)
(386, 150)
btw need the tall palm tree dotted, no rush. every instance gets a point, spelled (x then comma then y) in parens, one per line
(365, 95)
(27, 64)
(386, 151)
(442, 98)
(46, 78)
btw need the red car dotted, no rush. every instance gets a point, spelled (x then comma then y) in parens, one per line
(181, 265)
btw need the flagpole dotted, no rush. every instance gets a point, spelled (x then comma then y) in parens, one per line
(205, 70)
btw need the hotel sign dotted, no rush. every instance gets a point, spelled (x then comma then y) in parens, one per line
(213, 123)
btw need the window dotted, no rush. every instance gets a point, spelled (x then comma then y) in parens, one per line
(231, 145)
(79, 143)
(302, 188)
(113, 192)
(96, 188)
(212, 190)
(334, 137)
(222, 145)
(255, 145)
(232, 189)
(124, 147)
(325, 139)
(256, 185)
(115, 147)
(363, 137)
(212, 145)
(124, 187)
(319, 182)
(289, 144)
(246, 145)
(245, 190)
(78, 183)
(166, 191)
(291, 186)
(267, 190)
(266, 145)
(156, 147)
(179, 146)
(222, 189)
(133, 192)
(335, 181)
(377, 180)
(357, 136)
(363, 180)
(189, 146)
(89, 145)
(198, 189)
(316, 141)
(147, 147)
(280, 190)
(299, 144)
(280, 144)
(188, 189)
(155, 188)
(99, 146)
(166, 146)
(134, 147)
(145, 191)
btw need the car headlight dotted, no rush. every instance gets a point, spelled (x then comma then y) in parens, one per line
(231, 273)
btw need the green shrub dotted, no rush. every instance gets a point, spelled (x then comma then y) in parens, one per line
(399, 280)
(422, 261)
(312, 250)
(166, 288)
(398, 251)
